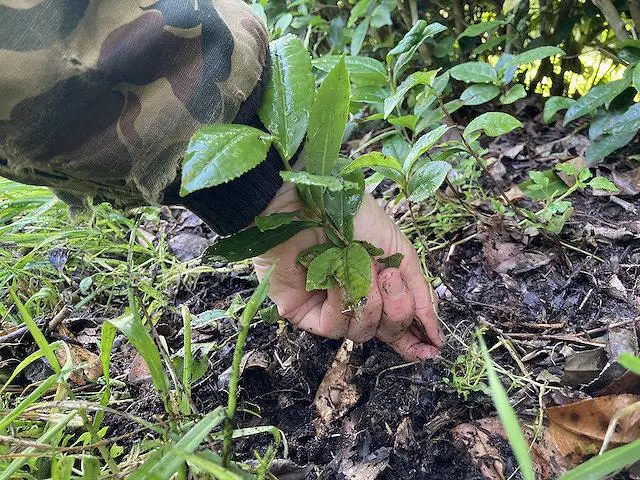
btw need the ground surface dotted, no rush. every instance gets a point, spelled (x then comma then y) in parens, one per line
(549, 295)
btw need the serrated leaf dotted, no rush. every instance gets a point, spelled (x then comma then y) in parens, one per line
(417, 78)
(596, 97)
(628, 123)
(531, 56)
(362, 70)
(602, 183)
(480, 28)
(252, 242)
(414, 37)
(322, 268)
(371, 249)
(406, 48)
(288, 97)
(600, 149)
(514, 93)
(359, 35)
(276, 220)
(474, 72)
(392, 261)
(397, 147)
(326, 125)
(423, 144)
(341, 206)
(217, 154)
(372, 159)
(553, 105)
(270, 315)
(354, 272)
(305, 257)
(306, 178)
(427, 179)
(493, 124)
(479, 93)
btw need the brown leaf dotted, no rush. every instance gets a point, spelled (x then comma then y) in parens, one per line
(590, 418)
(503, 257)
(336, 394)
(480, 440)
(578, 162)
(86, 365)
(139, 371)
(628, 182)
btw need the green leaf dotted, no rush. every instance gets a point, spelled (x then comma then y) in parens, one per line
(630, 362)
(480, 28)
(392, 261)
(600, 149)
(397, 147)
(602, 183)
(169, 460)
(543, 185)
(493, 124)
(140, 338)
(531, 56)
(509, 5)
(306, 178)
(381, 16)
(288, 97)
(372, 159)
(417, 78)
(252, 242)
(371, 249)
(474, 72)
(515, 93)
(492, 42)
(553, 105)
(371, 94)
(628, 123)
(305, 257)
(322, 268)
(353, 272)
(423, 144)
(219, 153)
(406, 48)
(415, 37)
(636, 77)
(359, 10)
(596, 97)
(362, 70)
(276, 220)
(359, 35)
(606, 464)
(407, 121)
(507, 416)
(269, 315)
(427, 179)
(341, 206)
(326, 125)
(479, 93)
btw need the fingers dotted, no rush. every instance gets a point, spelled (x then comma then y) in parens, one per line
(327, 314)
(398, 305)
(412, 348)
(424, 307)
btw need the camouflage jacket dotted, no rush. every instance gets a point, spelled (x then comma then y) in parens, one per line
(98, 98)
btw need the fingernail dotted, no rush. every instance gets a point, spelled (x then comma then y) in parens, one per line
(394, 286)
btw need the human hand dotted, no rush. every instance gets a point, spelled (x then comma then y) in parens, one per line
(397, 295)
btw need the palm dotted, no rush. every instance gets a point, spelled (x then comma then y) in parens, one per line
(396, 295)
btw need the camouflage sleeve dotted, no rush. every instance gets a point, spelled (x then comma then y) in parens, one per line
(99, 98)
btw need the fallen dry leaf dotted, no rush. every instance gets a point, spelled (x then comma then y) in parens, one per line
(139, 371)
(404, 434)
(336, 394)
(86, 365)
(627, 182)
(616, 288)
(480, 440)
(589, 419)
(503, 257)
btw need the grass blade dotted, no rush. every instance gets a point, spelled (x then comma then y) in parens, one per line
(602, 466)
(508, 416)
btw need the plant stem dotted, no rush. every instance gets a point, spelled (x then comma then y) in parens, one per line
(478, 160)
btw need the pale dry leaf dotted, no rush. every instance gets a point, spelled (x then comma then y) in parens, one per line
(616, 288)
(86, 365)
(591, 418)
(336, 393)
(627, 182)
(139, 372)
